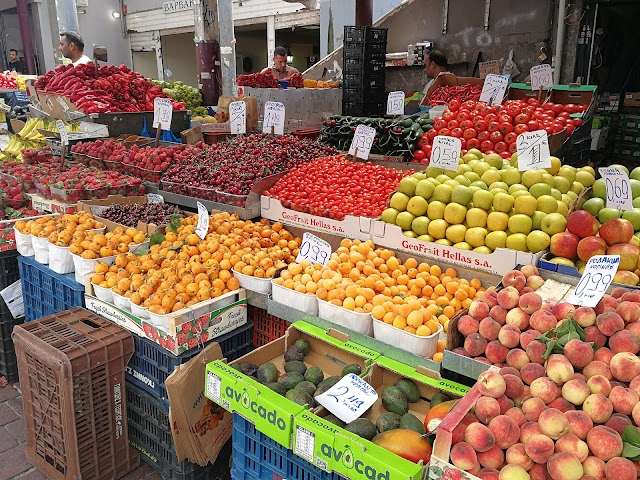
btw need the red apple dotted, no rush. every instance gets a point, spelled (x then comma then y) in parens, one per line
(615, 231)
(628, 255)
(564, 244)
(591, 246)
(582, 224)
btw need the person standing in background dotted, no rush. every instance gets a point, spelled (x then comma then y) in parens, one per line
(72, 47)
(280, 70)
(16, 64)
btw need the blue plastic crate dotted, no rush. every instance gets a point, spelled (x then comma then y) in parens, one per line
(151, 364)
(46, 292)
(256, 456)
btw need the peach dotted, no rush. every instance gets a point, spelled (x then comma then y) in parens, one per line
(509, 370)
(618, 292)
(592, 334)
(517, 358)
(535, 350)
(530, 302)
(485, 360)
(490, 297)
(518, 318)
(598, 407)
(609, 323)
(635, 413)
(508, 298)
(535, 282)
(491, 383)
(561, 404)
(527, 337)
(463, 456)
(505, 404)
(625, 366)
(618, 421)
(623, 399)
(629, 296)
(579, 353)
(457, 435)
(607, 302)
(505, 431)
(594, 467)
(514, 278)
(513, 472)
(563, 310)
(559, 369)
(619, 468)
(579, 376)
(564, 466)
(575, 391)
(585, 316)
(488, 474)
(516, 415)
(486, 409)
(499, 314)
(539, 472)
(474, 470)
(460, 351)
(629, 311)
(529, 270)
(604, 442)
(515, 387)
(539, 448)
(544, 389)
(496, 352)
(628, 255)
(516, 455)
(475, 344)
(553, 423)
(597, 368)
(479, 437)
(492, 458)
(634, 328)
(509, 336)
(526, 395)
(489, 328)
(478, 310)
(531, 371)
(532, 408)
(599, 384)
(526, 289)
(591, 246)
(634, 385)
(572, 444)
(467, 325)
(543, 321)
(580, 424)
(603, 354)
(529, 429)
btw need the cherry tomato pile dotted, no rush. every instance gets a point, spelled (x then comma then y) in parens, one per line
(444, 94)
(494, 129)
(334, 187)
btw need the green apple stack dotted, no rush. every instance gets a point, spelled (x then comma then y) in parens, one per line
(487, 203)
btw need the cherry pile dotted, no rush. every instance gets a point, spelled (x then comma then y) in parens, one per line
(334, 187)
(130, 214)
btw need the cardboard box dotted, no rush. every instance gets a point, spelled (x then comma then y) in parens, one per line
(51, 206)
(631, 99)
(55, 105)
(272, 413)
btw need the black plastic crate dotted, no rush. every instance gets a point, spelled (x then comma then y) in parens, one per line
(370, 65)
(9, 271)
(151, 364)
(364, 50)
(363, 95)
(364, 82)
(580, 153)
(364, 109)
(364, 35)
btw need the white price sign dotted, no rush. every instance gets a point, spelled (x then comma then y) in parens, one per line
(238, 117)
(273, 118)
(4, 108)
(62, 128)
(349, 398)
(597, 276)
(162, 113)
(533, 150)
(541, 76)
(154, 198)
(395, 103)
(492, 66)
(63, 104)
(362, 141)
(203, 221)
(445, 153)
(314, 249)
(493, 89)
(618, 188)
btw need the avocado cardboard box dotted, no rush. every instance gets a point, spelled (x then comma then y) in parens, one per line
(334, 449)
(271, 412)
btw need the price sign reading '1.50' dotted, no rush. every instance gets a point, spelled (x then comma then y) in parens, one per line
(203, 221)
(162, 113)
(395, 103)
(238, 117)
(273, 118)
(362, 141)
(314, 249)
(349, 398)
(618, 188)
(541, 76)
(533, 150)
(445, 153)
(597, 276)
(493, 89)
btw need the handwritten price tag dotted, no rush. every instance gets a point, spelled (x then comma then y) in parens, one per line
(533, 150)
(445, 153)
(541, 76)
(314, 249)
(597, 276)
(618, 188)
(362, 141)
(395, 103)
(162, 113)
(203, 221)
(64, 136)
(349, 398)
(63, 104)
(492, 66)
(238, 117)
(494, 88)
(273, 117)
(154, 198)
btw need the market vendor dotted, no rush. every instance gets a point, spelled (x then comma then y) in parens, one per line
(280, 70)
(435, 66)
(72, 47)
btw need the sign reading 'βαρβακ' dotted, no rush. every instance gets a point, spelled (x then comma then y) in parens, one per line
(177, 6)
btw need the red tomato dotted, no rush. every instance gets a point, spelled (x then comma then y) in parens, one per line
(473, 143)
(493, 127)
(448, 115)
(563, 114)
(510, 137)
(469, 104)
(501, 147)
(506, 154)
(504, 118)
(444, 132)
(576, 122)
(533, 125)
(557, 108)
(549, 130)
(439, 123)
(533, 101)
(466, 124)
(557, 127)
(456, 132)
(513, 148)
(570, 128)
(522, 118)
(419, 155)
(521, 128)
(506, 128)
(462, 116)
(451, 124)
(486, 146)
(424, 140)
(513, 110)
(427, 151)
(469, 133)
(481, 125)
(491, 117)
(496, 136)
(484, 135)
(454, 105)
(431, 134)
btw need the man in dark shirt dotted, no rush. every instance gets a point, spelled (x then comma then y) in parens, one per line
(15, 63)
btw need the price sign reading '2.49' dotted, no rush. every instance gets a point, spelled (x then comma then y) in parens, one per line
(362, 141)
(445, 153)
(349, 398)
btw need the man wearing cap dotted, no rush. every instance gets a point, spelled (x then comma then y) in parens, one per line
(72, 47)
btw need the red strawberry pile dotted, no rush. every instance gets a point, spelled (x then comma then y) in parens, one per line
(258, 80)
(296, 80)
(12, 192)
(37, 156)
(148, 163)
(105, 150)
(29, 175)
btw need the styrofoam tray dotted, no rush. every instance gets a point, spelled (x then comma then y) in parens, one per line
(87, 266)
(422, 346)
(60, 260)
(41, 249)
(139, 311)
(358, 322)
(259, 285)
(23, 243)
(305, 302)
(103, 293)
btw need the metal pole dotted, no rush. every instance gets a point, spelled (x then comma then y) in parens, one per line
(25, 35)
(67, 16)
(562, 12)
(364, 13)
(207, 40)
(227, 46)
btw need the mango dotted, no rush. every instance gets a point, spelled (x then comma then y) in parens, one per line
(406, 444)
(436, 415)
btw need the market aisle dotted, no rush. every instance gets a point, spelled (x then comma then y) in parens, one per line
(12, 438)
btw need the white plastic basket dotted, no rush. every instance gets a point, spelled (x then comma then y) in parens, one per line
(191, 313)
(121, 302)
(23, 243)
(305, 302)
(60, 260)
(86, 267)
(358, 322)
(139, 311)
(41, 249)
(253, 284)
(103, 293)
(422, 346)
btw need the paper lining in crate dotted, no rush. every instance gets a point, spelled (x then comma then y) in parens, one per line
(24, 244)
(185, 330)
(40, 248)
(304, 302)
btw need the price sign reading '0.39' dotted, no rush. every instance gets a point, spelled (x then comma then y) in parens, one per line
(362, 141)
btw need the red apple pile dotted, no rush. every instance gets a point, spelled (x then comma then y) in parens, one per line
(585, 238)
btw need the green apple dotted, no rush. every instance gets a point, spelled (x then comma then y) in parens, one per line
(525, 204)
(539, 189)
(568, 172)
(520, 193)
(408, 186)
(435, 210)
(517, 187)
(454, 213)
(467, 157)
(555, 166)
(495, 191)
(634, 217)
(562, 184)
(456, 233)
(497, 221)
(464, 168)
(511, 176)
(599, 189)
(410, 233)
(562, 261)
(399, 201)
(474, 151)
(419, 176)
(480, 184)
(585, 178)
(494, 160)
(481, 167)
(425, 189)
(437, 228)
(500, 185)
(462, 245)
(554, 223)
(404, 220)
(594, 205)
(451, 173)
(537, 219)
(607, 214)
(531, 177)
(417, 206)
(462, 180)
(563, 209)
(572, 194)
(474, 188)
(477, 217)
(577, 187)
(483, 249)
(426, 238)
(433, 172)
(491, 176)
(514, 160)
(389, 215)
(472, 176)
(503, 202)
(451, 182)
(442, 193)
(475, 236)
(547, 204)
(635, 188)
(442, 178)
(636, 202)
(462, 195)
(635, 173)
(555, 193)
(538, 241)
(520, 224)
(497, 239)
(443, 241)
(482, 199)
(548, 179)
(473, 162)
(620, 167)
(433, 181)
(567, 199)
(420, 225)
(517, 241)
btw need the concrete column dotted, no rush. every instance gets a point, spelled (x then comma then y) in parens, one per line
(67, 16)
(44, 35)
(271, 38)
(207, 40)
(227, 46)
(158, 50)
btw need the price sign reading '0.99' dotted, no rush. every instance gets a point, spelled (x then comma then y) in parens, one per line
(62, 128)
(273, 118)
(445, 153)
(533, 150)
(162, 113)
(349, 398)
(362, 141)
(203, 221)
(395, 103)
(314, 249)
(238, 117)
(541, 76)
(618, 188)
(493, 89)
(597, 276)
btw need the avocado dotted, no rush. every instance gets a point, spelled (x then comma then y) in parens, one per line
(353, 368)
(299, 397)
(245, 368)
(277, 387)
(335, 420)
(295, 366)
(388, 421)
(412, 422)
(293, 353)
(306, 387)
(314, 375)
(303, 345)
(362, 427)
(267, 373)
(326, 385)
(290, 380)
(407, 387)
(438, 398)
(394, 400)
